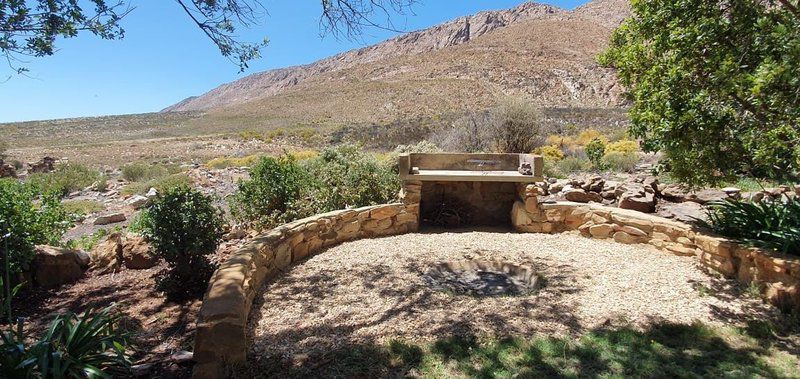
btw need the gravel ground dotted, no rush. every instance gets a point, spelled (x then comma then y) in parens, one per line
(371, 291)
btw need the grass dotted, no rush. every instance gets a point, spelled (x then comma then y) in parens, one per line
(88, 241)
(82, 207)
(160, 184)
(225, 162)
(138, 172)
(66, 178)
(664, 350)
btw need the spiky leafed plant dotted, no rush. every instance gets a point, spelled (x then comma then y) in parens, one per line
(773, 225)
(74, 346)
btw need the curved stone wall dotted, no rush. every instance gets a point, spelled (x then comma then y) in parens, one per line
(776, 275)
(220, 338)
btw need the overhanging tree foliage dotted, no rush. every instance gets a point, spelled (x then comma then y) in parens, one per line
(715, 85)
(29, 28)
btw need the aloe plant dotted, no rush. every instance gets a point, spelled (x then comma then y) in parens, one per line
(773, 225)
(74, 346)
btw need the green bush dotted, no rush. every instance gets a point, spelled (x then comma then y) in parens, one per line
(66, 178)
(28, 219)
(551, 153)
(161, 185)
(82, 207)
(517, 127)
(571, 165)
(621, 162)
(184, 227)
(137, 172)
(773, 225)
(74, 346)
(595, 150)
(281, 189)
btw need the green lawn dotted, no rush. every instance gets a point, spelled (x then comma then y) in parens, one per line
(666, 350)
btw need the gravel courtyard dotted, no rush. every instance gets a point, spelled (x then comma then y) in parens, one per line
(372, 291)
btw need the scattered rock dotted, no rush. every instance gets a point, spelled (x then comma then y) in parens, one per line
(675, 193)
(45, 165)
(7, 170)
(110, 218)
(687, 212)
(107, 254)
(733, 192)
(137, 254)
(152, 193)
(580, 196)
(707, 195)
(637, 198)
(54, 266)
(137, 201)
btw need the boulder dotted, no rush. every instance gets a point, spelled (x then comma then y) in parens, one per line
(687, 212)
(137, 254)
(137, 201)
(707, 195)
(107, 254)
(733, 192)
(54, 266)
(151, 194)
(636, 198)
(594, 184)
(675, 192)
(45, 165)
(7, 170)
(110, 218)
(558, 186)
(580, 196)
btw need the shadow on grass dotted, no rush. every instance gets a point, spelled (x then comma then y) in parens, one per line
(664, 350)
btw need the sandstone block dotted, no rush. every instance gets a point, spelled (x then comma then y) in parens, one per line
(626, 238)
(714, 245)
(384, 212)
(373, 225)
(54, 266)
(519, 216)
(636, 232)
(137, 254)
(601, 231)
(110, 218)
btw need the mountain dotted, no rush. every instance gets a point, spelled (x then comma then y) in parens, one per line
(535, 51)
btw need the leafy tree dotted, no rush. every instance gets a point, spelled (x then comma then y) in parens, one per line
(184, 228)
(714, 85)
(30, 28)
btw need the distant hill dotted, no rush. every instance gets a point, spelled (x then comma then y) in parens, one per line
(535, 51)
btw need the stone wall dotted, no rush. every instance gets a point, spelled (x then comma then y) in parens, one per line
(776, 275)
(487, 203)
(221, 339)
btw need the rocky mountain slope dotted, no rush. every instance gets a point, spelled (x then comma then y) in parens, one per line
(536, 51)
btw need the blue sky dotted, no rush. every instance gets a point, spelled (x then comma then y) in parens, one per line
(164, 58)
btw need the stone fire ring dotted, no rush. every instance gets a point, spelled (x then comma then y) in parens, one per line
(483, 278)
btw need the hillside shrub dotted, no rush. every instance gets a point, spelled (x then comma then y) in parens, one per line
(620, 162)
(74, 346)
(225, 162)
(137, 172)
(269, 197)
(772, 225)
(468, 134)
(587, 136)
(281, 189)
(570, 165)
(622, 146)
(595, 150)
(551, 153)
(517, 127)
(28, 219)
(184, 228)
(161, 184)
(3, 148)
(66, 178)
(82, 207)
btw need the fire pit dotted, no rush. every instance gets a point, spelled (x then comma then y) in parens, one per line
(483, 278)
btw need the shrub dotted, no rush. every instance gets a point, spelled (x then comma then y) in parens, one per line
(551, 153)
(302, 155)
(571, 165)
(587, 136)
(469, 134)
(282, 190)
(423, 146)
(82, 207)
(620, 162)
(268, 197)
(66, 178)
(3, 148)
(161, 185)
(137, 172)
(773, 225)
(225, 162)
(184, 227)
(595, 150)
(251, 135)
(517, 127)
(74, 346)
(559, 140)
(28, 222)
(623, 146)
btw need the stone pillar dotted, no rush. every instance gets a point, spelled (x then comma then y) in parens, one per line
(527, 214)
(411, 195)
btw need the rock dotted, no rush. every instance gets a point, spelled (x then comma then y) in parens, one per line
(687, 212)
(557, 187)
(707, 195)
(754, 197)
(152, 193)
(601, 231)
(45, 165)
(797, 190)
(651, 184)
(580, 196)
(137, 201)
(181, 356)
(107, 254)
(110, 218)
(595, 184)
(7, 170)
(639, 201)
(53, 266)
(675, 192)
(625, 238)
(733, 192)
(137, 254)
